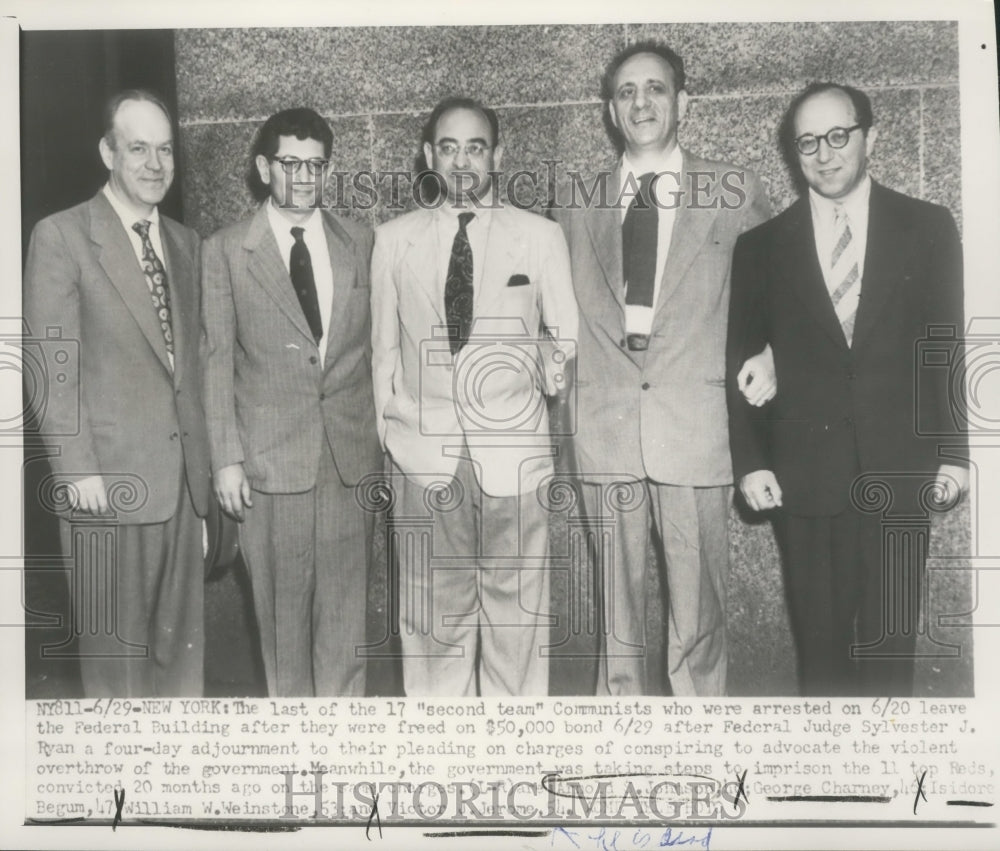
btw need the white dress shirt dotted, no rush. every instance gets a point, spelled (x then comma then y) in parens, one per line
(129, 217)
(639, 319)
(314, 237)
(825, 231)
(446, 224)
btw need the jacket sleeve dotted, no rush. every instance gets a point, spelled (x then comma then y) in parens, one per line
(747, 335)
(385, 328)
(52, 307)
(942, 399)
(218, 333)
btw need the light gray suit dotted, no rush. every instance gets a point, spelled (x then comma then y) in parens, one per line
(656, 420)
(129, 416)
(305, 434)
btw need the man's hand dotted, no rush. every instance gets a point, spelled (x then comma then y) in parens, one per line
(232, 490)
(950, 485)
(756, 378)
(760, 489)
(89, 495)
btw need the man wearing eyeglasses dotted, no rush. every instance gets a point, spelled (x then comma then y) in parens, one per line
(288, 396)
(843, 285)
(473, 324)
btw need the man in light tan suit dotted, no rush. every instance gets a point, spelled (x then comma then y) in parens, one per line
(460, 294)
(651, 274)
(286, 358)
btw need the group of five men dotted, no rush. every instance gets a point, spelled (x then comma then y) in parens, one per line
(279, 362)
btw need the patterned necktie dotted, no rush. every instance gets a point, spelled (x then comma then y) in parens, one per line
(156, 280)
(639, 233)
(844, 281)
(458, 287)
(301, 271)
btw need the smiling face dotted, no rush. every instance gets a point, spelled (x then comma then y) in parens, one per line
(466, 175)
(833, 172)
(645, 105)
(139, 155)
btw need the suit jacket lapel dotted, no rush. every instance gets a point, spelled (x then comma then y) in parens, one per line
(180, 277)
(803, 275)
(502, 247)
(268, 269)
(885, 262)
(119, 262)
(604, 224)
(341, 253)
(422, 260)
(691, 227)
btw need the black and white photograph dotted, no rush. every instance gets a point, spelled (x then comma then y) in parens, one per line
(530, 428)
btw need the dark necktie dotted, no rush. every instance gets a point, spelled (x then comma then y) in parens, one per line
(458, 287)
(639, 231)
(301, 271)
(156, 280)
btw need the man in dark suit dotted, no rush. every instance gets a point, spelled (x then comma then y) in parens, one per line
(122, 280)
(843, 285)
(288, 395)
(650, 261)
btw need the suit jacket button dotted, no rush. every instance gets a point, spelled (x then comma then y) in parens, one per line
(173, 436)
(322, 396)
(621, 343)
(313, 359)
(645, 385)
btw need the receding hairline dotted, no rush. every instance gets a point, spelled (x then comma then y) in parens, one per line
(654, 55)
(112, 128)
(463, 108)
(833, 90)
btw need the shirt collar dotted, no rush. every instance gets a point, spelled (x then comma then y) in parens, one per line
(448, 215)
(279, 224)
(125, 212)
(672, 162)
(855, 203)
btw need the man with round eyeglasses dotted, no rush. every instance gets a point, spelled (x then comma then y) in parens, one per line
(844, 285)
(287, 383)
(474, 323)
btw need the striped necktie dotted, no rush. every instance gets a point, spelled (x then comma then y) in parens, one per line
(844, 280)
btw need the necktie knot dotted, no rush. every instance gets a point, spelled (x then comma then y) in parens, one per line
(141, 227)
(644, 197)
(297, 234)
(464, 219)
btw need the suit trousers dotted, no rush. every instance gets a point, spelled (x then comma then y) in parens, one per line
(307, 555)
(854, 605)
(693, 527)
(482, 579)
(140, 588)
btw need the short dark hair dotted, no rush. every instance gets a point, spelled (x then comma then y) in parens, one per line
(114, 102)
(860, 101)
(450, 103)
(300, 122)
(648, 46)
